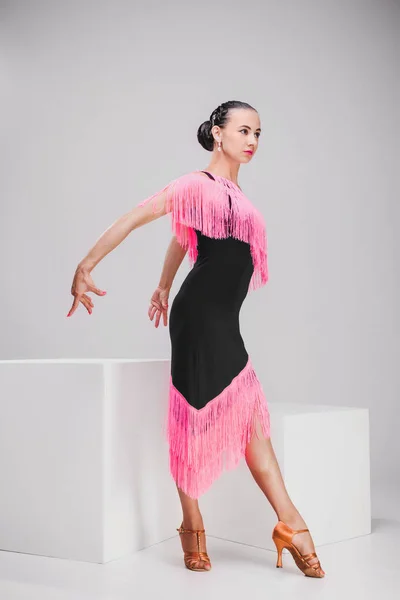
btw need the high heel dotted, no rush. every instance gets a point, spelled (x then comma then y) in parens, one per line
(282, 536)
(191, 558)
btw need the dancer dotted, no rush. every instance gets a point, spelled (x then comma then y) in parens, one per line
(217, 411)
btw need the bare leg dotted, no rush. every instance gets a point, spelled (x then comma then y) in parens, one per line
(261, 460)
(192, 519)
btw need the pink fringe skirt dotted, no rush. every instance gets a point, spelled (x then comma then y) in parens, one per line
(202, 443)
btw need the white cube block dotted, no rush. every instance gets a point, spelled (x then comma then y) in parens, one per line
(324, 456)
(83, 458)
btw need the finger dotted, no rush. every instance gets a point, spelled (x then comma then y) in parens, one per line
(88, 298)
(165, 317)
(96, 290)
(74, 306)
(158, 315)
(153, 307)
(152, 312)
(86, 305)
(156, 304)
(150, 309)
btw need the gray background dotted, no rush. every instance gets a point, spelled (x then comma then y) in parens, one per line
(101, 102)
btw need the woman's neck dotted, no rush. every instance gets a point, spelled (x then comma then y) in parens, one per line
(222, 169)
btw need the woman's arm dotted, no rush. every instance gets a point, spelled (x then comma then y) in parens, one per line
(173, 258)
(110, 239)
(159, 300)
(120, 229)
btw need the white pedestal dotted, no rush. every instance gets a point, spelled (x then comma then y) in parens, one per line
(84, 464)
(323, 454)
(83, 458)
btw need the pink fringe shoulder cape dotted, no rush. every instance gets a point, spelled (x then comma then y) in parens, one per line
(204, 442)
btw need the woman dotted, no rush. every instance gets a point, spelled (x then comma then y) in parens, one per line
(217, 409)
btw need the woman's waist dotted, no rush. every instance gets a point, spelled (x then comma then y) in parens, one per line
(216, 283)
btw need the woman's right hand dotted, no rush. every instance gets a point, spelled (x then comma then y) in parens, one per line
(81, 284)
(159, 305)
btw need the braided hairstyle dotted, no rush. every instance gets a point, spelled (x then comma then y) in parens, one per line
(219, 117)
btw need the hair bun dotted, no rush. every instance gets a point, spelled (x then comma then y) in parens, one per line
(205, 137)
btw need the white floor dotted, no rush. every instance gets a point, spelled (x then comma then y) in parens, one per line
(367, 567)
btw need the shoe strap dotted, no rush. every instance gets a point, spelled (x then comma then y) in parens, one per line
(308, 556)
(182, 530)
(300, 530)
(198, 555)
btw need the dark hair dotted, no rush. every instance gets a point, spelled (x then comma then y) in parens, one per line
(219, 117)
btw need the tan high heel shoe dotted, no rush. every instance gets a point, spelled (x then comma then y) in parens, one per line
(282, 536)
(192, 558)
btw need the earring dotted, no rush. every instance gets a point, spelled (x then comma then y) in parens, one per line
(219, 146)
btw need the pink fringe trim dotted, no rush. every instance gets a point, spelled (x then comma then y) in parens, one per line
(197, 202)
(199, 440)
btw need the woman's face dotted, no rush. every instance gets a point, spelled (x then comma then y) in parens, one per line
(240, 135)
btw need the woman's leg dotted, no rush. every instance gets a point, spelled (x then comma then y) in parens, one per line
(192, 519)
(261, 460)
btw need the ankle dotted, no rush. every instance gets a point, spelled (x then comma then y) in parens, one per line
(193, 522)
(293, 519)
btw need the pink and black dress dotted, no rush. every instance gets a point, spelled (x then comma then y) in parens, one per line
(215, 397)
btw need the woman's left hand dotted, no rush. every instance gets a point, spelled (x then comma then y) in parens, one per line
(159, 305)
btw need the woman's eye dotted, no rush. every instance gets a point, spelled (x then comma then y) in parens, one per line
(245, 130)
